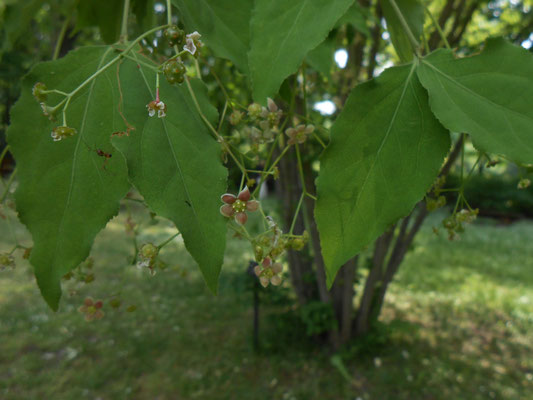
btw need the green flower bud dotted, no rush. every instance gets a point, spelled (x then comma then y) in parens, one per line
(174, 35)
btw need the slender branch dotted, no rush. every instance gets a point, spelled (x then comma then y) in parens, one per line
(61, 37)
(114, 60)
(170, 239)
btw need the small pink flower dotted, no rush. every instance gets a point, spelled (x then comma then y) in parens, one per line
(156, 106)
(92, 309)
(236, 206)
(299, 134)
(193, 42)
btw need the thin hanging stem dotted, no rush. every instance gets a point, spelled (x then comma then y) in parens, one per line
(170, 239)
(125, 14)
(437, 27)
(61, 38)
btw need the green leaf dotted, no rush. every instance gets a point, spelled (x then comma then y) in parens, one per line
(223, 24)
(385, 151)
(322, 57)
(176, 166)
(489, 96)
(282, 33)
(356, 16)
(16, 18)
(65, 196)
(411, 14)
(105, 14)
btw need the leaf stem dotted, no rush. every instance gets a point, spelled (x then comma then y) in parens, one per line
(405, 26)
(437, 27)
(169, 13)
(124, 27)
(170, 239)
(114, 60)
(297, 212)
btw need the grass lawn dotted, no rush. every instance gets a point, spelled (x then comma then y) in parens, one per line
(458, 324)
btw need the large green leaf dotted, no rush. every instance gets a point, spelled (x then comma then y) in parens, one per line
(224, 25)
(65, 196)
(408, 13)
(282, 33)
(385, 151)
(176, 165)
(489, 96)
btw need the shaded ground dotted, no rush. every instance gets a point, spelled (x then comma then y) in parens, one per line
(458, 324)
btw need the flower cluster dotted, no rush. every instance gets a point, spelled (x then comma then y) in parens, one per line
(236, 206)
(62, 132)
(157, 106)
(299, 134)
(524, 183)
(6, 260)
(269, 272)
(92, 309)
(454, 224)
(147, 257)
(83, 272)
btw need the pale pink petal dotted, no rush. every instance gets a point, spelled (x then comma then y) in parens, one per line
(245, 194)
(227, 210)
(277, 268)
(257, 270)
(271, 105)
(252, 205)
(228, 198)
(275, 280)
(241, 218)
(264, 281)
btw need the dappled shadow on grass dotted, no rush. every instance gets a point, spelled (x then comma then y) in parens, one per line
(455, 328)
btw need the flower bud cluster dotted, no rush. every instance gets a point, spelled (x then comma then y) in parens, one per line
(174, 71)
(6, 260)
(269, 272)
(454, 224)
(62, 132)
(92, 309)
(524, 183)
(147, 257)
(83, 273)
(261, 124)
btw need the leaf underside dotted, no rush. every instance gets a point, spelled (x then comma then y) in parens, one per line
(65, 196)
(385, 152)
(223, 24)
(489, 96)
(67, 192)
(176, 166)
(282, 33)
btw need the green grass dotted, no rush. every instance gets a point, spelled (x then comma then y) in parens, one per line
(457, 324)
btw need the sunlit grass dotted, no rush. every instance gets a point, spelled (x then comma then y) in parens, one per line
(457, 324)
